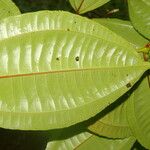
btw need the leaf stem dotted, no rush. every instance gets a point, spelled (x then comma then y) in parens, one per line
(77, 11)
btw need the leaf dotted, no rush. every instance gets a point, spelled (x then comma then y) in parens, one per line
(88, 141)
(139, 12)
(52, 79)
(124, 29)
(82, 6)
(70, 143)
(45, 86)
(57, 20)
(8, 8)
(113, 123)
(138, 113)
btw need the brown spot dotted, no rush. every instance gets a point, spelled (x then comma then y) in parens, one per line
(128, 85)
(57, 58)
(147, 45)
(77, 58)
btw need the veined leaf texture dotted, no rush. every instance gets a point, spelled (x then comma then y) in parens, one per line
(83, 6)
(88, 141)
(8, 8)
(139, 14)
(55, 75)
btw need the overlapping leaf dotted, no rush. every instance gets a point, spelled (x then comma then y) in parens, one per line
(88, 141)
(139, 11)
(8, 8)
(138, 113)
(124, 29)
(82, 6)
(52, 79)
(113, 123)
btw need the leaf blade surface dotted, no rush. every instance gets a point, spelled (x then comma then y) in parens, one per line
(41, 91)
(82, 6)
(139, 13)
(8, 8)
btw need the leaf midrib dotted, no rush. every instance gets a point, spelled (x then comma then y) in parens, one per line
(75, 70)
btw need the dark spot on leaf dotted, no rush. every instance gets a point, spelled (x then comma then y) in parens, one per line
(147, 45)
(68, 29)
(57, 58)
(128, 85)
(127, 74)
(75, 22)
(77, 58)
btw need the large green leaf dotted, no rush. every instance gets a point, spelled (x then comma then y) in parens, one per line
(113, 123)
(8, 8)
(49, 77)
(124, 29)
(138, 113)
(82, 6)
(139, 11)
(87, 141)
(52, 79)
(57, 20)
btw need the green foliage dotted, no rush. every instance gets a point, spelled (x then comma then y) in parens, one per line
(82, 6)
(86, 80)
(138, 113)
(113, 122)
(124, 29)
(8, 8)
(140, 16)
(85, 140)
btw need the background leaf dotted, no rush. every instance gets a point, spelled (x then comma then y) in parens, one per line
(138, 113)
(139, 11)
(113, 121)
(82, 6)
(70, 143)
(124, 29)
(8, 8)
(88, 141)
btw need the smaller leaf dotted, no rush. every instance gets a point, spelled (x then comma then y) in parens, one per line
(87, 141)
(138, 113)
(113, 121)
(8, 8)
(82, 6)
(124, 29)
(139, 11)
